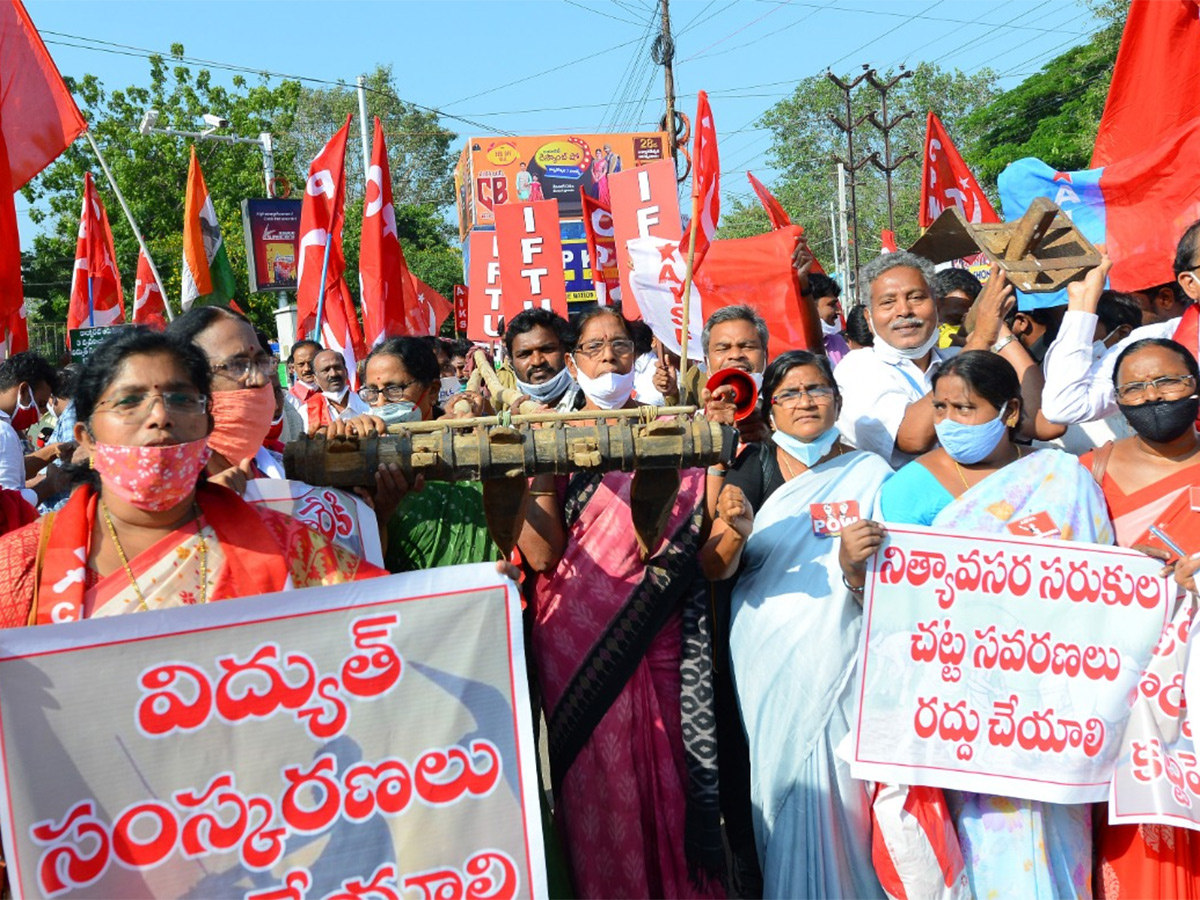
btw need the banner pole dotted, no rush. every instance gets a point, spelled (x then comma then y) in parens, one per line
(133, 225)
(91, 305)
(316, 335)
(686, 339)
(362, 123)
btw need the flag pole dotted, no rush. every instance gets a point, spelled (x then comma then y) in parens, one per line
(133, 225)
(91, 305)
(316, 335)
(686, 339)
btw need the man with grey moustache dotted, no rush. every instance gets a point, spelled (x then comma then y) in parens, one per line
(886, 389)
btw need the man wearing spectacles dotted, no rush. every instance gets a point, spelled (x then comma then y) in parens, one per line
(334, 400)
(1079, 386)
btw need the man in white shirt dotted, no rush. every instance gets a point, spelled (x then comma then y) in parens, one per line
(886, 389)
(26, 384)
(335, 400)
(1079, 387)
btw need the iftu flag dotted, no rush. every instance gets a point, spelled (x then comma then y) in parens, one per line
(1156, 81)
(946, 181)
(96, 297)
(148, 306)
(38, 121)
(389, 301)
(322, 217)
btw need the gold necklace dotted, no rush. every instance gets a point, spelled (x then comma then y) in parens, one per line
(112, 531)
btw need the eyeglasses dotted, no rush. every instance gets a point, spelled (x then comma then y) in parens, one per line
(621, 347)
(1168, 386)
(135, 408)
(392, 393)
(819, 393)
(239, 368)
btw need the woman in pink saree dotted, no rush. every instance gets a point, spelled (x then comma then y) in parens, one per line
(621, 646)
(600, 178)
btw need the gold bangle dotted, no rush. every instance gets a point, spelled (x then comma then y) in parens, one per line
(543, 493)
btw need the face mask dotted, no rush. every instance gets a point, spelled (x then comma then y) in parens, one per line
(339, 399)
(151, 478)
(608, 391)
(893, 355)
(757, 378)
(241, 420)
(810, 452)
(547, 390)
(395, 413)
(1162, 420)
(25, 416)
(827, 329)
(969, 444)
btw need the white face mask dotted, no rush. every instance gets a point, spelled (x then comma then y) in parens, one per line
(547, 390)
(893, 355)
(339, 399)
(608, 391)
(827, 329)
(757, 378)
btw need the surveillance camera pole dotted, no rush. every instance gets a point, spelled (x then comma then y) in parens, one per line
(263, 141)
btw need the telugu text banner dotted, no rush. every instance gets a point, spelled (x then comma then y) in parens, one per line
(1002, 665)
(368, 739)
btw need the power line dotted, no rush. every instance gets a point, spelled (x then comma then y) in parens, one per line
(738, 31)
(601, 13)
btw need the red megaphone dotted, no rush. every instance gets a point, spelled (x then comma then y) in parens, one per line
(745, 391)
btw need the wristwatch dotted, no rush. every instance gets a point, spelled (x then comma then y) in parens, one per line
(1003, 342)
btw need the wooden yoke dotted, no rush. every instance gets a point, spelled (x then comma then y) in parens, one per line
(1040, 252)
(504, 454)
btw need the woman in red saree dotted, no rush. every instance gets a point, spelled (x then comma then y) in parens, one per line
(620, 644)
(143, 531)
(1146, 480)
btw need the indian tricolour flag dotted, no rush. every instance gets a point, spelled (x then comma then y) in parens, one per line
(207, 275)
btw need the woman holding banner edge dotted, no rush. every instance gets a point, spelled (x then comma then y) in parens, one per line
(980, 480)
(143, 530)
(795, 624)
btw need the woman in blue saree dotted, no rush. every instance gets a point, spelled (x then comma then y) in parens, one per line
(979, 480)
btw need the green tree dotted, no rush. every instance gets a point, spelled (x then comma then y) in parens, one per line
(806, 144)
(1052, 115)
(152, 173)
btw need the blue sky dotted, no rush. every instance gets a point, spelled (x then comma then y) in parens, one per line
(560, 66)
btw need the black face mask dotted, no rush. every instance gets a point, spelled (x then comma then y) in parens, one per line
(1038, 349)
(1162, 420)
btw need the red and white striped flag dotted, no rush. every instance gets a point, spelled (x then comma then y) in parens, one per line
(388, 298)
(148, 306)
(96, 297)
(322, 217)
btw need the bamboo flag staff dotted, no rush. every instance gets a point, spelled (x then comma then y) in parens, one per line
(685, 339)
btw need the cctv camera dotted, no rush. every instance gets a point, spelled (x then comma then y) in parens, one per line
(215, 121)
(149, 121)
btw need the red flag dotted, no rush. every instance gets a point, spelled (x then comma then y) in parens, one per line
(602, 249)
(389, 302)
(16, 334)
(706, 182)
(322, 217)
(775, 211)
(38, 120)
(96, 297)
(429, 310)
(1156, 82)
(946, 181)
(148, 306)
(888, 239)
(38, 117)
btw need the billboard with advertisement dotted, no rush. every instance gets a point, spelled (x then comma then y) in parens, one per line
(272, 229)
(492, 171)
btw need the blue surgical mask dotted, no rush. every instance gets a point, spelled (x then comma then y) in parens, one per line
(809, 453)
(395, 413)
(969, 444)
(547, 390)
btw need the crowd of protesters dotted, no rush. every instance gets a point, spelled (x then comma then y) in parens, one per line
(695, 692)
